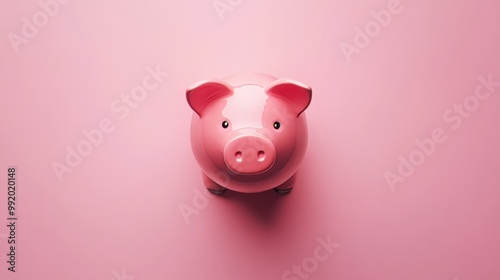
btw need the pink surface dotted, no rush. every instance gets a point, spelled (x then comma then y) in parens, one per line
(409, 91)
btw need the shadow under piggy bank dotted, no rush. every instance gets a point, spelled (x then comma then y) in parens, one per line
(264, 206)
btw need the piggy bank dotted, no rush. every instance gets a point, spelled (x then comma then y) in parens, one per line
(249, 132)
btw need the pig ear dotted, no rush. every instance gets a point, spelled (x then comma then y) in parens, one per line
(200, 94)
(297, 94)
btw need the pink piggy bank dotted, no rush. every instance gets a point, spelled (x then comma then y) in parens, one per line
(249, 133)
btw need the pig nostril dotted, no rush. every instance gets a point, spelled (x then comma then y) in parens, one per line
(238, 156)
(261, 155)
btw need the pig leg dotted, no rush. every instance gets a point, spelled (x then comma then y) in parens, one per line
(287, 186)
(212, 186)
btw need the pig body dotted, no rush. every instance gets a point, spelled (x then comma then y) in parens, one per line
(249, 132)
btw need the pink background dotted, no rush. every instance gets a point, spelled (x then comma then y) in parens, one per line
(120, 208)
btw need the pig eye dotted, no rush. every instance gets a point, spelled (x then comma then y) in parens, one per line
(225, 124)
(276, 125)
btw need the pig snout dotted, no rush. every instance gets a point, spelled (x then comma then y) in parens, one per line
(249, 155)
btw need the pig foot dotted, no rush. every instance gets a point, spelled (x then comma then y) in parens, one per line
(287, 186)
(217, 192)
(212, 186)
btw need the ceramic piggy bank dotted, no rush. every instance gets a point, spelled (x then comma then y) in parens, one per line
(249, 132)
